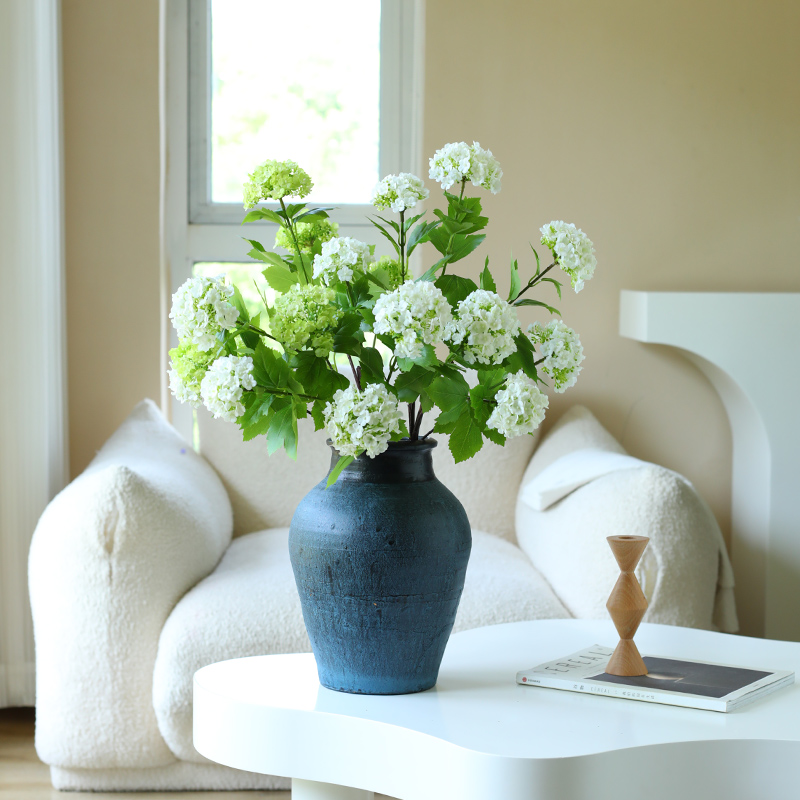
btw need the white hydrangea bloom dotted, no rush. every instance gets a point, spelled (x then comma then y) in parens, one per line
(485, 169)
(183, 392)
(200, 310)
(188, 365)
(562, 351)
(520, 408)
(415, 314)
(485, 325)
(399, 192)
(221, 388)
(459, 161)
(573, 250)
(340, 257)
(362, 421)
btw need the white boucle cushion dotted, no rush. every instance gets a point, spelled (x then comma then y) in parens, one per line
(265, 490)
(111, 556)
(487, 483)
(249, 606)
(567, 541)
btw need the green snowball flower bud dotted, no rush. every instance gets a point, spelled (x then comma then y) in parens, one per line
(274, 180)
(188, 365)
(390, 267)
(310, 235)
(305, 318)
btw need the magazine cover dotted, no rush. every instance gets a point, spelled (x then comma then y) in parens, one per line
(678, 682)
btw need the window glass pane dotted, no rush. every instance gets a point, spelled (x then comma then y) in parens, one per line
(298, 80)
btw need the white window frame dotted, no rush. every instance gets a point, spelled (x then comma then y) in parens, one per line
(195, 229)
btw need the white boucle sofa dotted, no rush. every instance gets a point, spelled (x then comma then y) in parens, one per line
(157, 561)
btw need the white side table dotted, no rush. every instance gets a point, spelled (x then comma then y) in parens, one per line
(479, 736)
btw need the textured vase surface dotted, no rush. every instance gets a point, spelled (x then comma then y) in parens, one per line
(380, 559)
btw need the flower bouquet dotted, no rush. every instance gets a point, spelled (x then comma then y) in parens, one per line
(403, 340)
(379, 550)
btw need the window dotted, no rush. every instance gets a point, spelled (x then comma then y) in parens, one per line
(331, 85)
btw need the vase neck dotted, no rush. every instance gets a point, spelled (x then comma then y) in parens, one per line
(402, 462)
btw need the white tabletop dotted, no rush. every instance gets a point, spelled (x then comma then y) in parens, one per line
(478, 731)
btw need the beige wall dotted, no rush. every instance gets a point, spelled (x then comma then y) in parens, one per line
(669, 132)
(111, 177)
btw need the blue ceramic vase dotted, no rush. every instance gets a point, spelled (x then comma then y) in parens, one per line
(380, 559)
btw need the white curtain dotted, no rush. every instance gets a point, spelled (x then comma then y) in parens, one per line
(33, 458)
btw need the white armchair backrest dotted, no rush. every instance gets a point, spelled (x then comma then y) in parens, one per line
(265, 490)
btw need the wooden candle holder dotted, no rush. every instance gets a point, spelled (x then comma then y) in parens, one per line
(627, 605)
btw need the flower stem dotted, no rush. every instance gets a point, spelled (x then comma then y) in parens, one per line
(411, 419)
(356, 372)
(260, 332)
(294, 239)
(402, 248)
(418, 421)
(533, 281)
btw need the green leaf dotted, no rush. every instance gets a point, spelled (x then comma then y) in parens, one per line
(348, 337)
(538, 262)
(430, 274)
(256, 405)
(463, 205)
(371, 364)
(522, 359)
(257, 428)
(280, 278)
(409, 385)
(283, 431)
(294, 208)
(419, 235)
(527, 301)
(466, 438)
(320, 213)
(427, 360)
(259, 255)
(480, 409)
(487, 281)
(494, 436)
(391, 222)
(311, 217)
(516, 284)
(462, 245)
(337, 470)
(262, 213)
(411, 220)
(303, 268)
(316, 376)
(491, 377)
(269, 368)
(449, 392)
(452, 226)
(556, 284)
(255, 245)
(380, 277)
(361, 292)
(455, 288)
(440, 239)
(317, 414)
(446, 420)
(238, 301)
(386, 234)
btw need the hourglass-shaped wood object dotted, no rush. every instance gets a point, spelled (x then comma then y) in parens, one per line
(627, 605)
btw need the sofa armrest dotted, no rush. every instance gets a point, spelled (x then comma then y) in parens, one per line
(111, 556)
(685, 572)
